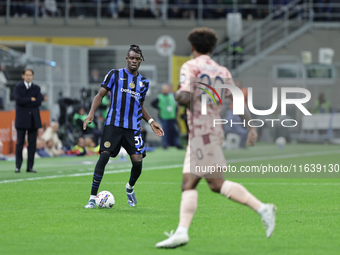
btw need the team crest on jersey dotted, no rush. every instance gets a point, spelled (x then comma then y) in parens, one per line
(182, 78)
(107, 144)
(132, 85)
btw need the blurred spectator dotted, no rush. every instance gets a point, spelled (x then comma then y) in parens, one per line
(50, 8)
(322, 105)
(237, 129)
(182, 8)
(40, 151)
(167, 112)
(95, 76)
(52, 140)
(78, 121)
(115, 6)
(29, 8)
(91, 147)
(44, 103)
(50, 148)
(79, 149)
(145, 9)
(235, 50)
(17, 8)
(40, 132)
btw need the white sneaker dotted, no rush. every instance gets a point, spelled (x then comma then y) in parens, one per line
(91, 204)
(174, 240)
(268, 219)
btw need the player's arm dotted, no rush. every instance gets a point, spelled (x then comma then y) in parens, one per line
(97, 100)
(20, 99)
(154, 125)
(183, 95)
(252, 134)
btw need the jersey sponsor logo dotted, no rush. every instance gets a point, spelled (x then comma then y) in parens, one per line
(133, 93)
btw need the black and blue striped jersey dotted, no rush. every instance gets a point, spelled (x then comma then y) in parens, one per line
(127, 94)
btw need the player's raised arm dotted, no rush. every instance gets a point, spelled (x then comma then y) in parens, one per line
(156, 128)
(97, 100)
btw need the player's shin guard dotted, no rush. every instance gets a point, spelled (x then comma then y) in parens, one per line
(136, 171)
(188, 207)
(99, 172)
(239, 194)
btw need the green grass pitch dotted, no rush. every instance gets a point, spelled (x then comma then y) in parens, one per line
(43, 213)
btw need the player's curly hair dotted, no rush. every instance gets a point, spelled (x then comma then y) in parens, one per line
(135, 48)
(203, 39)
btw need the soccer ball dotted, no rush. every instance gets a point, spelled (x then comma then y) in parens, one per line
(280, 142)
(105, 199)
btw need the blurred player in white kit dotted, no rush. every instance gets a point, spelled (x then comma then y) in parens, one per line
(205, 140)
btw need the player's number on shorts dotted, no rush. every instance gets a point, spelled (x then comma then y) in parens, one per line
(138, 140)
(199, 154)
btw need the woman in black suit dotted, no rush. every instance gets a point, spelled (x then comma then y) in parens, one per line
(27, 118)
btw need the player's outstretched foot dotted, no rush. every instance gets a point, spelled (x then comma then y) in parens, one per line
(91, 204)
(131, 198)
(268, 219)
(175, 240)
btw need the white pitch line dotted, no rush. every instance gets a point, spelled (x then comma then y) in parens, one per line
(307, 154)
(86, 174)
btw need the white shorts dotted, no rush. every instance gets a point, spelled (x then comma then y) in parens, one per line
(204, 156)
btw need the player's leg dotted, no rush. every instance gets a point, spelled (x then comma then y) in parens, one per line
(18, 150)
(240, 194)
(136, 170)
(32, 144)
(187, 211)
(133, 143)
(97, 177)
(109, 146)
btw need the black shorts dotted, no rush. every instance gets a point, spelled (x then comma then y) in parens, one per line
(115, 137)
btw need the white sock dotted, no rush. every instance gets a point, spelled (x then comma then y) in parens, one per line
(188, 207)
(261, 209)
(182, 230)
(128, 186)
(92, 197)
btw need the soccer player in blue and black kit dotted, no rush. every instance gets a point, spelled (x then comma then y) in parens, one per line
(123, 123)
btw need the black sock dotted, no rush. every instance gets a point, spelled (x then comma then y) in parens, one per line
(99, 172)
(136, 171)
